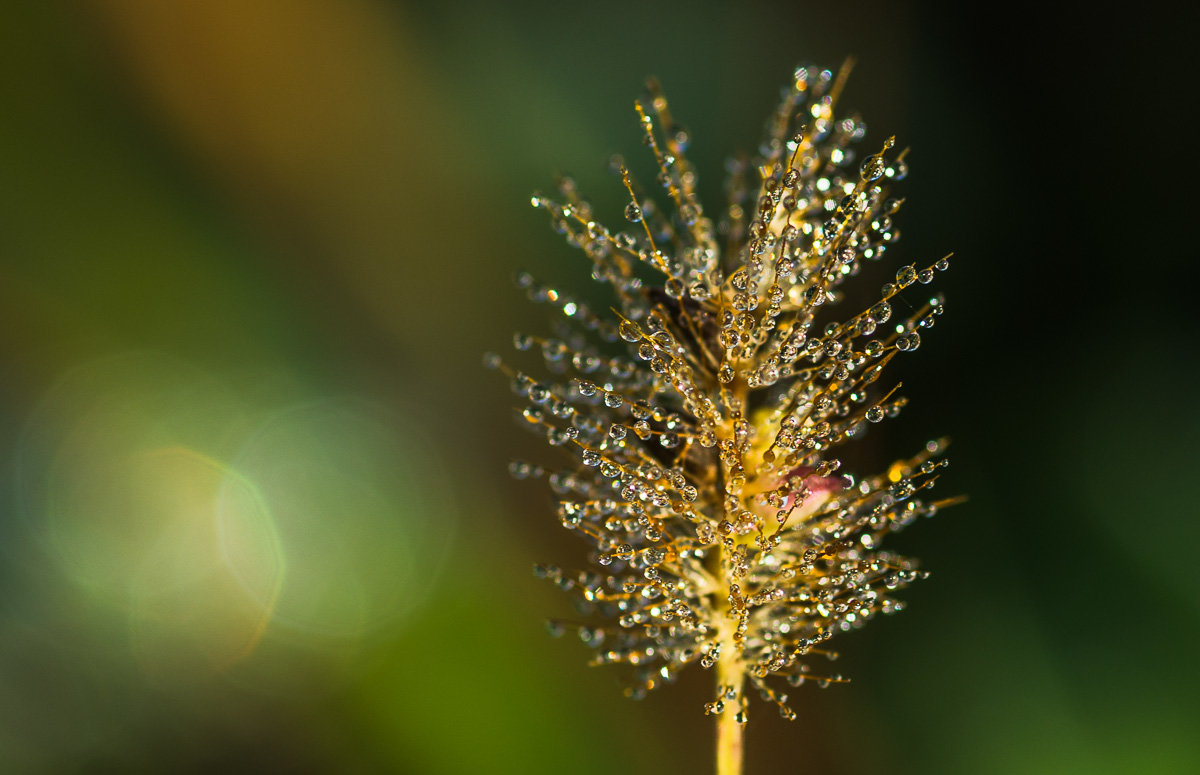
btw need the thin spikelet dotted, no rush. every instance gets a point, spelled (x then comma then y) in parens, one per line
(704, 415)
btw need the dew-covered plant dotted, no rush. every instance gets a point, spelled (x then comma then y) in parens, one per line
(704, 415)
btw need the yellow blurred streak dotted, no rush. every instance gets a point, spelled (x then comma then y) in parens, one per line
(325, 125)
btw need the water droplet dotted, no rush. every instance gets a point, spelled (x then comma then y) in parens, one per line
(633, 213)
(909, 341)
(872, 168)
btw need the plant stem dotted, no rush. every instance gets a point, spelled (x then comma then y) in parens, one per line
(731, 672)
(730, 667)
(729, 731)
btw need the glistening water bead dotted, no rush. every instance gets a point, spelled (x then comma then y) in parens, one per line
(703, 418)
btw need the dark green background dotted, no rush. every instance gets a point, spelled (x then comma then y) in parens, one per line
(273, 238)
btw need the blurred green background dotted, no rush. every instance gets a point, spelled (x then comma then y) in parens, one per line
(255, 509)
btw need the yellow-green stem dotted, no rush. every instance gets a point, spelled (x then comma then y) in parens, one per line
(730, 667)
(729, 731)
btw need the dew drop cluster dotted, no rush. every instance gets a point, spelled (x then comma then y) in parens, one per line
(699, 421)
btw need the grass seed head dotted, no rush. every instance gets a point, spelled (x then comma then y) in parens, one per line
(702, 416)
